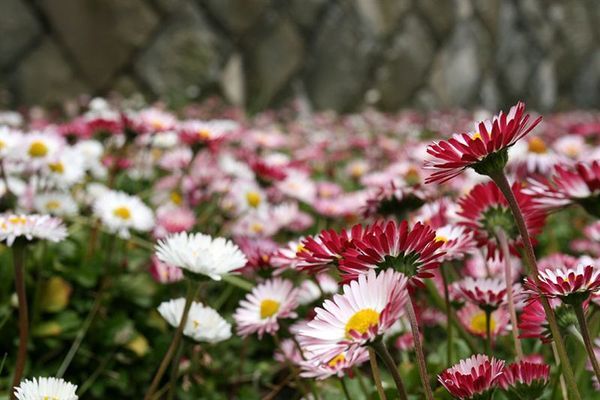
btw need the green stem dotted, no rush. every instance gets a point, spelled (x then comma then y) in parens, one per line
(292, 367)
(345, 389)
(414, 326)
(504, 186)
(174, 343)
(385, 355)
(18, 251)
(509, 292)
(488, 332)
(175, 372)
(449, 330)
(561, 378)
(361, 382)
(585, 333)
(376, 373)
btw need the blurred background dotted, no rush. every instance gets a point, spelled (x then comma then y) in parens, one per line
(335, 54)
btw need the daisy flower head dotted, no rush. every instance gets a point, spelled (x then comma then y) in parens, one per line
(200, 254)
(474, 319)
(164, 273)
(206, 132)
(533, 322)
(570, 284)
(46, 388)
(485, 210)
(65, 169)
(55, 203)
(339, 366)
(397, 200)
(9, 140)
(485, 150)
(473, 377)
(532, 157)
(487, 293)
(412, 251)
(268, 302)
(120, 212)
(458, 241)
(40, 147)
(363, 312)
(578, 184)
(524, 379)
(203, 324)
(14, 227)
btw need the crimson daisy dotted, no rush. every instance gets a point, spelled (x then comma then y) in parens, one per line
(578, 184)
(486, 293)
(412, 251)
(485, 150)
(485, 209)
(524, 380)
(473, 378)
(533, 322)
(567, 283)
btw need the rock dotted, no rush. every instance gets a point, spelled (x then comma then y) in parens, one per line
(184, 59)
(44, 77)
(272, 58)
(405, 64)
(441, 15)
(382, 16)
(488, 11)
(543, 86)
(236, 15)
(336, 77)
(232, 80)
(305, 13)
(18, 30)
(100, 35)
(586, 89)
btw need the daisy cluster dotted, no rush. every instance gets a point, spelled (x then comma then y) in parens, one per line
(312, 242)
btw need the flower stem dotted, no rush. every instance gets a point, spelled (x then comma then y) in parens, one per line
(376, 374)
(509, 292)
(191, 292)
(488, 332)
(175, 372)
(345, 388)
(585, 332)
(18, 251)
(385, 355)
(361, 382)
(561, 378)
(414, 326)
(449, 330)
(504, 186)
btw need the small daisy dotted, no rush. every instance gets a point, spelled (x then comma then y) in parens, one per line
(565, 283)
(207, 132)
(486, 293)
(201, 254)
(203, 323)
(339, 366)
(9, 140)
(164, 273)
(366, 309)
(152, 120)
(268, 302)
(31, 227)
(458, 242)
(472, 377)
(46, 389)
(40, 147)
(473, 319)
(66, 168)
(120, 212)
(533, 322)
(524, 379)
(55, 203)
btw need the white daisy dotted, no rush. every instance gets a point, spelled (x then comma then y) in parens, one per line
(9, 140)
(46, 389)
(66, 168)
(31, 227)
(201, 254)
(120, 212)
(55, 203)
(38, 147)
(203, 324)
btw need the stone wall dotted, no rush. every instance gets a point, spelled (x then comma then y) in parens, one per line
(340, 54)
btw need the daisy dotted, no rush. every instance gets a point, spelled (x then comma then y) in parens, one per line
(532, 157)
(120, 212)
(365, 310)
(203, 323)
(492, 266)
(268, 302)
(65, 169)
(485, 150)
(55, 203)
(164, 273)
(412, 251)
(46, 388)
(298, 185)
(40, 147)
(533, 322)
(310, 290)
(567, 283)
(579, 184)
(206, 132)
(524, 379)
(31, 227)
(571, 146)
(152, 120)
(486, 293)
(339, 366)
(476, 376)
(200, 254)
(173, 219)
(9, 140)
(473, 318)
(396, 200)
(258, 252)
(458, 241)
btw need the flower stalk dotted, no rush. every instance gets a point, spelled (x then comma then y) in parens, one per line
(585, 333)
(376, 373)
(414, 326)
(382, 351)
(18, 251)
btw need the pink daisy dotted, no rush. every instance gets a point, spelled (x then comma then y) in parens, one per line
(472, 377)
(524, 379)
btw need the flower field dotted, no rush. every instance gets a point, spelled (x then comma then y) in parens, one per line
(208, 254)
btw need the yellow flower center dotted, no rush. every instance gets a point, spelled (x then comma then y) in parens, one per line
(38, 149)
(361, 321)
(441, 238)
(412, 176)
(17, 220)
(196, 324)
(537, 146)
(176, 198)
(336, 360)
(253, 199)
(478, 323)
(299, 248)
(53, 205)
(57, 167)
(572, 151)
(476, 136)
(50, 398)
(122, 212)
(2, 144)
(204, 134)
(158, 124)
(257, 227)
(268, 308)
(357, 170)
